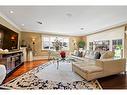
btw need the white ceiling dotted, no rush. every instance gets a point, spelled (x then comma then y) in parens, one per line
(67, 20)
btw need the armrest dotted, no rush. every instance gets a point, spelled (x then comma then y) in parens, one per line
(112, 64)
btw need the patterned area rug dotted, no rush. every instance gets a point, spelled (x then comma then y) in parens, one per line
(43, 77)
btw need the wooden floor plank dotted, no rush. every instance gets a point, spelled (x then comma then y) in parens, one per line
(118, 81)
(25, 68)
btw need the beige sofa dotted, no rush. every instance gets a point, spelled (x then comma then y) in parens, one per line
(101, 68)
(96, 68)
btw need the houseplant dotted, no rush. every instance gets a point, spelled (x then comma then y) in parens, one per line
(81, 44)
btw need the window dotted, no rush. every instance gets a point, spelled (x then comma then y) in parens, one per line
(48, 41)
(117, 48)
(90, 45)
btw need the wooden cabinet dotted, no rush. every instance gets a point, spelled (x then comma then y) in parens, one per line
(11, 60)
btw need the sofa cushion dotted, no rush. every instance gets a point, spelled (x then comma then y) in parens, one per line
(84, 53)
(91, 69)
(79, 64)
(97, 55)
(87, 53)
(107, 55)
(75, 52)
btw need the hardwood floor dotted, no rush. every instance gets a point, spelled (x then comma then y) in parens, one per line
(118, 81)
(24, 68)
(112, 82)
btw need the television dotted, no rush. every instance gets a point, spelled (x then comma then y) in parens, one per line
(8, 38)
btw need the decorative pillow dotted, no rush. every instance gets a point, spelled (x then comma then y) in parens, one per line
(97, 55)
(108, 54)
(79, 54)
(84, 53)
(92, 55)
(74, 53)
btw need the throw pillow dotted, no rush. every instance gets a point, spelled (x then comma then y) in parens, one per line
(79, 54)
(97, 55)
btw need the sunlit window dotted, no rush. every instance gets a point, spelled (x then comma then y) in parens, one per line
(48, 41)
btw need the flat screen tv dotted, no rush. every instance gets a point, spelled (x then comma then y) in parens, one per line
(8, 38)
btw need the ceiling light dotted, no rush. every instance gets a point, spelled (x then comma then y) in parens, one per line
(11, 12)
(22, 24)
(69, 14)
(39, 22)
(82, 28)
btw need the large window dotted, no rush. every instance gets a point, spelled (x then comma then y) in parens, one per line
(48, 42)
(117, 47)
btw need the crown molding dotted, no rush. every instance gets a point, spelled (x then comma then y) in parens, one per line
(9, 21)
(122, 24)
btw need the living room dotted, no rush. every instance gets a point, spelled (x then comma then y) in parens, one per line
(63, 47)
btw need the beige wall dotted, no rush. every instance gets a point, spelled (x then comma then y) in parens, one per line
(85, 39)
(73, 43)
(27, 36)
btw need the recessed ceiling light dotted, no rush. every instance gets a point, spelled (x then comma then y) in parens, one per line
(22, 24)
(39, 22)
(69, 14)
(82, 28)
(11, 12)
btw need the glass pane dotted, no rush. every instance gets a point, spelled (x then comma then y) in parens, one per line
(117, 47)
(46, 43)
(52, 40)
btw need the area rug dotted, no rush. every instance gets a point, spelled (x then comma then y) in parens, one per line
(47, 76)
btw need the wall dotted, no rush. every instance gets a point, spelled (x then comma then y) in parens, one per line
(73, 43)
(27, 36)
(116, 33)
(85, 39)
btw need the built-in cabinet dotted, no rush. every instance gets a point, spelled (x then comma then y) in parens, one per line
(11, 60)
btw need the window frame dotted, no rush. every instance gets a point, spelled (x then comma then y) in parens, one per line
(43, 37)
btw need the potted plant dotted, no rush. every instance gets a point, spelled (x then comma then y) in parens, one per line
(81, 44)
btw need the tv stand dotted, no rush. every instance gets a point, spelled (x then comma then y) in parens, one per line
(11, 60)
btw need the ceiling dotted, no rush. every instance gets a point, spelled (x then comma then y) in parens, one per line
(65, 20)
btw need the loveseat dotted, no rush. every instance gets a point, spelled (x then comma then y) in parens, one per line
(90, 68)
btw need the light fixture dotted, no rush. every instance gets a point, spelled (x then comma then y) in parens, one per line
(33, 41)
(11, 12)
(22, 24)
(39, 22)
(69, 14)
(82, 28)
